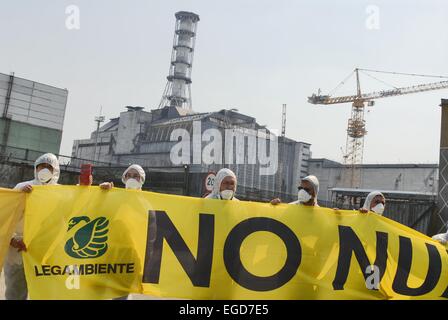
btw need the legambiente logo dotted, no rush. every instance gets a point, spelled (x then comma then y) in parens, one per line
(90, 240)
(87, 240)
(226, 146)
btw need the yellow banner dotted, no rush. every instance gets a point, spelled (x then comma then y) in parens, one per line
(87, 243)
(11, 210)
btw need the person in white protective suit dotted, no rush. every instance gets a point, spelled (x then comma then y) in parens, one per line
(46, 172)
(224, 187)
(133, 178)
(308, 191)
(441, 237)
(375, 201)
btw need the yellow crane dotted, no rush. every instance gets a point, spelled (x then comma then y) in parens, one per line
(356, 129)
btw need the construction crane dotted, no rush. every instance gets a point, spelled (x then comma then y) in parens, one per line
(356, 129)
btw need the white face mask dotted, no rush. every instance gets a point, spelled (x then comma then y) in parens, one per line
(379, 208)
(303, 196)
(44, 175)
(226, 194)
(133, 184)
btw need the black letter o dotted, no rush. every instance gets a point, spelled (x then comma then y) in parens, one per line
(232, 259)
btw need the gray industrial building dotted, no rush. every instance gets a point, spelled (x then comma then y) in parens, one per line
(31, 122)
(410, 189)
(31, 115)
(418, 178)
(137, 136)
(149, 138)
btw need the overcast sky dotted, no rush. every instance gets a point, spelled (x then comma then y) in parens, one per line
(250, 55)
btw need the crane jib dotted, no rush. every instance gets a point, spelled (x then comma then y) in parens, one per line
(315, 99)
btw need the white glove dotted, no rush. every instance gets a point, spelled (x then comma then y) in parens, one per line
(107, 185)
(441, 237)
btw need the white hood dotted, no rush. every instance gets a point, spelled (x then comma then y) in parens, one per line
(218, 180)
(369, 199)
(50, 159)
(140, 171)
(315, 183)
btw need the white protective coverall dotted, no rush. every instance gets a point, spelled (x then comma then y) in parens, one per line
(16, 288)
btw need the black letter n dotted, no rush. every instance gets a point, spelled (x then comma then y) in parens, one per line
(349, 243)
(198, 269)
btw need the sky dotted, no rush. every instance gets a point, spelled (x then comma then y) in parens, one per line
(252, 55)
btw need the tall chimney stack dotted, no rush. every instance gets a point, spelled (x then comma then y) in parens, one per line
(177, 91)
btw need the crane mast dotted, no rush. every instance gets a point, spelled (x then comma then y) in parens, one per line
(356, 126)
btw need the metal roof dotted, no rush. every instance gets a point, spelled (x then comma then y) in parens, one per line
(387, 193)
(333, 164)
(192, 117)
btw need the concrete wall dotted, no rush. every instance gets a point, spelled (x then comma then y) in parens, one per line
(147, 159)
(130, 125)
(85, 149)
(114, 138)
(124, 143)
(400, 177)
(27, 136)
(32, 103)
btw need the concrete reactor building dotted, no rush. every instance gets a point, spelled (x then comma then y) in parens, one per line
(266, 165)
